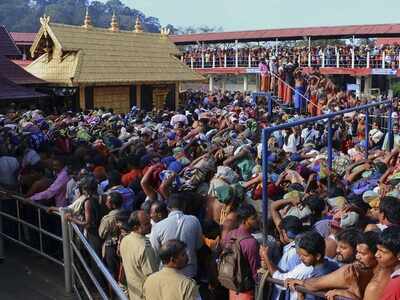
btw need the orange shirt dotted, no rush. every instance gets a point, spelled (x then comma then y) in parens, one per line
(128, 178)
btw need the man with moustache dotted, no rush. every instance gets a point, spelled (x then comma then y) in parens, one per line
(170, 282)
(352, 280)
(388, 256)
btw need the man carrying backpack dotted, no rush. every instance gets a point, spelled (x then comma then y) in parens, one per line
(240, 260)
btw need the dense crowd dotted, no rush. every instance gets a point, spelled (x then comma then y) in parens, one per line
(171, 200)
(251, 56)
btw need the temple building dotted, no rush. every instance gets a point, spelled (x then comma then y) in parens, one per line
(16, 85)
(110, 68)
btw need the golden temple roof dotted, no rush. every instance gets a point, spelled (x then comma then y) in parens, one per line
(74, 55)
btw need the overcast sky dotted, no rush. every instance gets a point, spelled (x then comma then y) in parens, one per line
(261, 14)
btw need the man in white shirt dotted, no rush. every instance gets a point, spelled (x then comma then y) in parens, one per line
(311, 249)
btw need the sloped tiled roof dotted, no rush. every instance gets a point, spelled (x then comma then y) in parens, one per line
(23, 38)
(318, 32)
(11, 91)
(100, 56)
(17, 74)
(7, 45)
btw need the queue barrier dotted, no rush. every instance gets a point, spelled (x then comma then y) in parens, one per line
(329, 118)
(303, 290)
(84, 272)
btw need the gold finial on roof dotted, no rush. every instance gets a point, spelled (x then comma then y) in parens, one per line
(45, 20)
(138, 25)
(87, 23)
(165, 31)
(114, 23)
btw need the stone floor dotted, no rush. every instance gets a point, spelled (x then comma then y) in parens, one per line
(25, 275)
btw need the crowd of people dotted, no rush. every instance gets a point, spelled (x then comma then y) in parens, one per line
(316, 56)
(171, 201)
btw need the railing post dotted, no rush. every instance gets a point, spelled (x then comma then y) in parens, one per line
(330, 151)
(269, 98)
(2, 256)
(213, 61)
(237, 54)
(309, 59)
(265, 137)
(353, 58)
(337, 59)
(323, 60)
(383, 59)
(366, 133)
(202, 60)
(191, 62)
(224, 60)
(249, 64)
(368, 59)
(390, 127)
(66, 252)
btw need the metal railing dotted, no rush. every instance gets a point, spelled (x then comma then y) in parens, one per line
(84, 271)
(329, 118)
(27, 224)
(349, 60)
(303, 290)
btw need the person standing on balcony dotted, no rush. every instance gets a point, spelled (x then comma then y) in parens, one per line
(273, 68)
(264, 75)
(299, 91)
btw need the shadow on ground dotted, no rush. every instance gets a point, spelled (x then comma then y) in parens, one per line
(25, 275)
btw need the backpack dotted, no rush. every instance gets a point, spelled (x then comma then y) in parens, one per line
(234, 272)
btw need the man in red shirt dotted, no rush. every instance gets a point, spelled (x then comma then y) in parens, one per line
(388, 256)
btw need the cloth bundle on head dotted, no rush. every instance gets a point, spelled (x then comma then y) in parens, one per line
(371, 198)
(337, 202)
(227, 174)
(348, 219)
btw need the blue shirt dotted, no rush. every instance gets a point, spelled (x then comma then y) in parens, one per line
(127, 194)
(182, 227)
(328, 266)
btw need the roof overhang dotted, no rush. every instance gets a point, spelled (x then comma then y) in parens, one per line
(322, 32)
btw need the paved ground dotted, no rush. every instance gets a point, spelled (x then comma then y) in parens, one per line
(25, 275)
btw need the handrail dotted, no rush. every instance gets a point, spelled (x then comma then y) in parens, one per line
(5, 195)
(69, 248)
(303, 290)
(99, 263)
(298, 288)
(266, 132)
(20, 198)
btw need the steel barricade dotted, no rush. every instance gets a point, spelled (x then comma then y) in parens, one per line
(303, 290)
(26, 229)
(78, 273)
(266, 133)
(84, 275)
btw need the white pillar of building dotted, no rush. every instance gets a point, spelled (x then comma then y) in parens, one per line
(210, 83)
(383, 60)
(237, 53)
(223, 84)
(358, 82)
(367, 85)
(245, 83)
